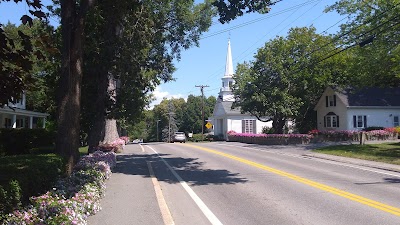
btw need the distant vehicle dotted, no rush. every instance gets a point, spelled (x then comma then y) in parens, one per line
(179, 137)
(137, 141)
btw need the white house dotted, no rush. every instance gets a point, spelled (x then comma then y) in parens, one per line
(225, 118)
(16, 116)
(358, 109)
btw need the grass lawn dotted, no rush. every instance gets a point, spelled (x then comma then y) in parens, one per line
(83, 150)
(34, 173)
(388, 152)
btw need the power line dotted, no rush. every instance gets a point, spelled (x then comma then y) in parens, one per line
(260, 19)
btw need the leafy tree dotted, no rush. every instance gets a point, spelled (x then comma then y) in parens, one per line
(192, 116)
(137, 47)
(16, 52)
(233, 8)
(374, 25)
(287, 77)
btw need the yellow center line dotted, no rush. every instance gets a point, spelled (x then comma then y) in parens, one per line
(348, 195)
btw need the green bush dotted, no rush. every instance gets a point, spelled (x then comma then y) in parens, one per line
(10, 198)
(22, 141)
(196, 138)
(35, 173)
(373, 128)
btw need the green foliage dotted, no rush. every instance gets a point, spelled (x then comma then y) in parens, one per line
(197, 138)
(377, 63)
(268, 130)
(40, 85)
(373, 128)
(10, 198)
(388, 152)
(235, 8)
(22, 141)
(136, 42)
(35, 174)
(287, 77)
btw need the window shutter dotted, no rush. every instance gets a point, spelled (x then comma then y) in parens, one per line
(243, 126)
(354, 121)
(334, 100)
(254, 126)
(337, 121)
(365, 121)
(326, 101)
(324, 121)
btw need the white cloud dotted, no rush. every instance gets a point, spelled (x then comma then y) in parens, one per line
(159, 95)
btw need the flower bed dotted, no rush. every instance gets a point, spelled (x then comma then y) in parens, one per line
(352, 135)
(72, 199)
(269, 139)
(116, 146)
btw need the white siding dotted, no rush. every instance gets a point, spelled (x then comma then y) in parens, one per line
(375, 117)
(340, 110)
(261, 124)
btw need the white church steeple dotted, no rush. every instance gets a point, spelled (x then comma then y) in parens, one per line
(225, 93)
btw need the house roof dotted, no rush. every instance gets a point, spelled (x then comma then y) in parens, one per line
(370, 96)
(228, 108)
(22, 112)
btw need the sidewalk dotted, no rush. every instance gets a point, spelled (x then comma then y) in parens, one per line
(130, 197)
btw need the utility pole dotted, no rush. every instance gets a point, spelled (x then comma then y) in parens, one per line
(157, 130)
(202, 108)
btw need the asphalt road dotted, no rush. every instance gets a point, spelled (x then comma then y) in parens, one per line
(226, 183)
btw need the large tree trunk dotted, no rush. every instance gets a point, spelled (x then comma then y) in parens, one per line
(104, 130)
(69, 99)
(278, 124)
(111, 131)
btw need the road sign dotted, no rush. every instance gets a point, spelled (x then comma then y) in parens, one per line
(208, 125)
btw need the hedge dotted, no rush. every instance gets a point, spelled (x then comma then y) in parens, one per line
(24, 141)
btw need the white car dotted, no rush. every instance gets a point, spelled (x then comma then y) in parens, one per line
(179, 137)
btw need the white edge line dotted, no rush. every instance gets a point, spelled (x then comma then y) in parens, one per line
(203, 207)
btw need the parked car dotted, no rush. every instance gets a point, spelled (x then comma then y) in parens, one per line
(179, 137)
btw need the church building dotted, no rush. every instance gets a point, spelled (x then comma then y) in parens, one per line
(225, 118)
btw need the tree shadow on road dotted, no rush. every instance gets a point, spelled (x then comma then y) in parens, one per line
(385, 181)
(191, 170)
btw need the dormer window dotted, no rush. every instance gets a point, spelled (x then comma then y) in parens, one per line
(330, 100)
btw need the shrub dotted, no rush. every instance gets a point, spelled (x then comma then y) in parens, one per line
(268, 130)
(10, 198)
(373, 128)
(197, 137)
(21, 141)
(35, 174)
(74, 198)
(270, 139)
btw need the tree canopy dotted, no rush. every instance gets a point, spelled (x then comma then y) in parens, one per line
(287, 77)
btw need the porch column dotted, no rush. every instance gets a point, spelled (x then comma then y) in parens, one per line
(44, 122)
(14, 121)
(30, 122)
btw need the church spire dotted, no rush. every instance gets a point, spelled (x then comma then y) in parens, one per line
(229, 64)
(225, 93)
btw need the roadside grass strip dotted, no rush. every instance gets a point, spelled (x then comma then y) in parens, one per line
(357, 198)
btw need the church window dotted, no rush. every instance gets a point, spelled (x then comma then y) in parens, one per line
(249, 126)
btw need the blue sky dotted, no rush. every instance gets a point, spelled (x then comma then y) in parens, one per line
(205, 65)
